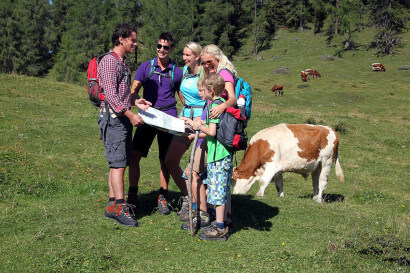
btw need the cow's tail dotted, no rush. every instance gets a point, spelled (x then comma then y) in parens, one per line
(339, 171)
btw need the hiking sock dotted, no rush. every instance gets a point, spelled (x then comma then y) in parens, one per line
(163, 192)
(111, 199)
(220, 225)
(120, 201)
(133, 190)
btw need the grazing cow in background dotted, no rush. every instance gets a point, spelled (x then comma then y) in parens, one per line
(304, 76)
(298, 148)
(312, 72)
(378, 67)
(278, 89)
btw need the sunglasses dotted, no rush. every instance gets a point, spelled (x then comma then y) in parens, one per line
(166, 48)
(208, 62)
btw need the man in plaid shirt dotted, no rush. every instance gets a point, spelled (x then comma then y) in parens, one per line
(116, 119)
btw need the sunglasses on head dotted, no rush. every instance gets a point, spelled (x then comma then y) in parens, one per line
(163, 46)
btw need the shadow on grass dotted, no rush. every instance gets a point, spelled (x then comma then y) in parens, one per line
(248, 213)
(328, 198)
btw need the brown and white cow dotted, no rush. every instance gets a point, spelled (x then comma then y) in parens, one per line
(303, 76)
(378, 67)
(298, 148)
(278, 89)
(313, 73)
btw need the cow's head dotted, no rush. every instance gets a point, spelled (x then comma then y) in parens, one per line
(240, 184)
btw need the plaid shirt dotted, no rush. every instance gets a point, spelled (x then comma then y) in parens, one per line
(109, 71)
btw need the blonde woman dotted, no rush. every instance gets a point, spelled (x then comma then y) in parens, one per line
(193, 107)
(214, 61)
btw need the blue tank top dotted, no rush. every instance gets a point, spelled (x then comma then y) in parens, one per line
(189, 89)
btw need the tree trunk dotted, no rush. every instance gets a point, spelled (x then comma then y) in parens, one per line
(337, 18)
(255, 43)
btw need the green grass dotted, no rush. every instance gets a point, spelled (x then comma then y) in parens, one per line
(53, 177)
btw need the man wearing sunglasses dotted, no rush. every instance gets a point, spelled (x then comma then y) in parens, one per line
(160, 78)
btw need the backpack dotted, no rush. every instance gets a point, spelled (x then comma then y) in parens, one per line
(160, 75)
(242, 88)
(94, 91)
(230, 131)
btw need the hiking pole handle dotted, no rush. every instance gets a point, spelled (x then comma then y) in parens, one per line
(191, 163)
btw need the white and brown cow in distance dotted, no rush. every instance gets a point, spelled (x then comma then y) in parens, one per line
(378, 67)
(298, 148)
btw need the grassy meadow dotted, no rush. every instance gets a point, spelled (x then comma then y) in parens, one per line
(53, 176)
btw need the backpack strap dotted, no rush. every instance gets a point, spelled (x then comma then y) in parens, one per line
(123, 68)
(151, 69)
(160, 75)
(172, 74)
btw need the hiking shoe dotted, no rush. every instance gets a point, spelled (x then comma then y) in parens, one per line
(110, 210)
(185, 216)
(212, 233)
(201, 220)
(163, 205)
(132, 199)
(228, 222)
(184, 206)
(123, 216)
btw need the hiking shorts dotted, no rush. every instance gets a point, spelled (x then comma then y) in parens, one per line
(219, 181)
(144, 136)
(199, 165)
(200, 156)
(116, 134)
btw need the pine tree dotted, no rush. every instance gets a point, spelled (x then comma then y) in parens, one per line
(82, 40)
(26, 40)
(389, 18)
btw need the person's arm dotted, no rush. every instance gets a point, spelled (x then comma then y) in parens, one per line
(135, 119)
(143, 104)
(181, 97)
(135, 88)
(200, 125)
(231, 102)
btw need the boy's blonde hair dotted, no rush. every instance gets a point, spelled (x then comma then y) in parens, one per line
(200, 83)
(214, 83)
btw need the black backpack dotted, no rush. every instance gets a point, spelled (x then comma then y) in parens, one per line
(230, 131)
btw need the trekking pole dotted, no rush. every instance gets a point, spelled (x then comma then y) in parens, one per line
(191, 163)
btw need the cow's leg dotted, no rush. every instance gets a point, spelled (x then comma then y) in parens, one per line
(326, 167)
(279, 184)
(270, 171)
(315, 181)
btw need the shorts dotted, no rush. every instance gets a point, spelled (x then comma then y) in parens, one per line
(116, 134)
(144, 136)
(199, 165)
(219, 181)
(200, 157)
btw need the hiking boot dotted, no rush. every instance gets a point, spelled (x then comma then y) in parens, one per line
(201, 220)
(228, 222)
(212, 233)
(185, 216)
(123, 216)
(185, 205)
(110, 210)
(163, 205)
(132, 199)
